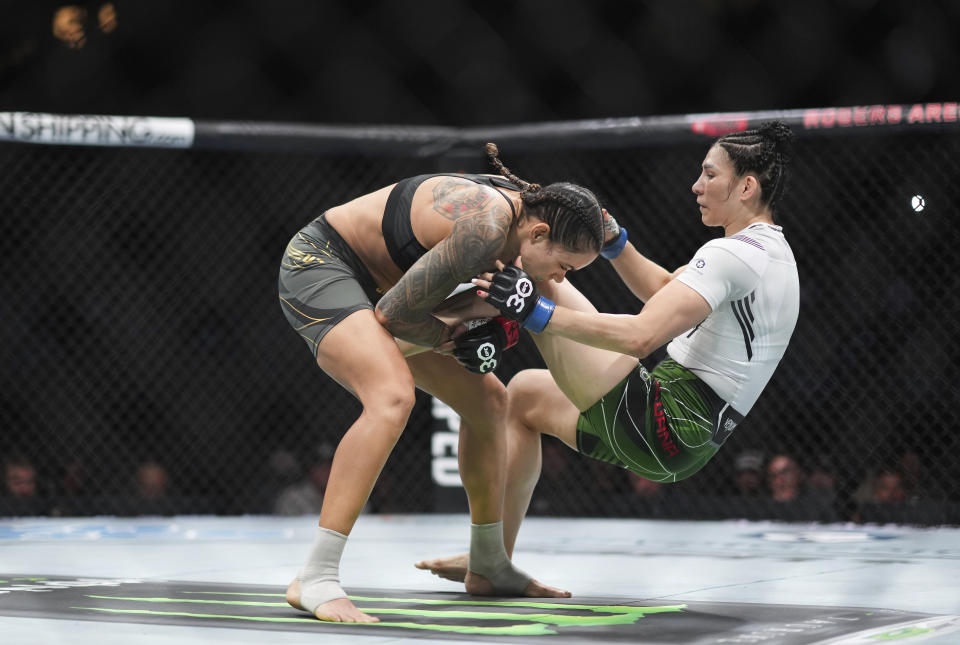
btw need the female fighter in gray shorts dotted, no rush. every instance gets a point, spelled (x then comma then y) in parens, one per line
(373, 270)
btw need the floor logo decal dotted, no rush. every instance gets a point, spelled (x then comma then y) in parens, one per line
(440, 615)
(548, 617)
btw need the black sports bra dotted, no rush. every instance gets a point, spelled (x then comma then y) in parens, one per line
(402, 244)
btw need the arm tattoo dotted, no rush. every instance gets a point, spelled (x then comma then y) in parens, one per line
(454, 200)
(471, 248)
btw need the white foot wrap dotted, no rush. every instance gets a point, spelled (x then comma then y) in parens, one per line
(320, 577)
(488, 558)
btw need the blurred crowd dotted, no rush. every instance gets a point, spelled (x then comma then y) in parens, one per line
(760, 487)
(774, 487)
(289, 486)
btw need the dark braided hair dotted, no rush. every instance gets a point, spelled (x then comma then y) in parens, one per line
(572, 212)
(764, 152)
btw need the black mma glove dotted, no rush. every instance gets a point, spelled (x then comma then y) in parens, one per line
(480, 349)
(515, 294)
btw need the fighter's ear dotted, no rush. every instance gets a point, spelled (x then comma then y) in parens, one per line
(539, 232)
(749, 187)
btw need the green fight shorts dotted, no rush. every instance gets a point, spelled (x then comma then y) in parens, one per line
(662, 425)
(322, 281)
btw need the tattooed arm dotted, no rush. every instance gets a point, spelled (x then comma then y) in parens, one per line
(471, 248)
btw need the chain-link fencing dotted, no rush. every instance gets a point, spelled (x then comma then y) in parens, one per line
(147, 367)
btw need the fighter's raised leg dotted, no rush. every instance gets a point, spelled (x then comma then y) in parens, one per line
(583, 373)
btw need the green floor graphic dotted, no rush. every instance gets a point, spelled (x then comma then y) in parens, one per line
(441, 615)
(528, 624)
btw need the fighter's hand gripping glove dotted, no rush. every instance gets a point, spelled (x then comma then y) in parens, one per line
(515, 294)
(481, 348)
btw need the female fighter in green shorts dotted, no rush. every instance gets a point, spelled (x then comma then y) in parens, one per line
(728, 315)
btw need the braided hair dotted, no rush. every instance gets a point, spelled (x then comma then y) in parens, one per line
(764, 152)
(572, 212)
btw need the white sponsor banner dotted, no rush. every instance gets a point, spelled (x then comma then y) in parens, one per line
(96, 130)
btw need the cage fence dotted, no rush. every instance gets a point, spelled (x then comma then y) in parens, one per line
(147, 368)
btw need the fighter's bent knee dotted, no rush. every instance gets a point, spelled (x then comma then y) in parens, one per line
(528, 382)
(524, 390)
(391, 406)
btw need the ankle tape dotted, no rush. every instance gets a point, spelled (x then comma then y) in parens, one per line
(320, 576)
(488, 558)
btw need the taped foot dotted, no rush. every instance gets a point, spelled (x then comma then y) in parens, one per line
(453, 567)
(477, 585)
(489, 562)
(338, 610)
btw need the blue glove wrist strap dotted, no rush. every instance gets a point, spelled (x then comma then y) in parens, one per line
(613, 249)
(540, 315)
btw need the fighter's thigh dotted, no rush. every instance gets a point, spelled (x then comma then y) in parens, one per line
(473, 396)
(363, 357)
(535, 400)
(582, 372)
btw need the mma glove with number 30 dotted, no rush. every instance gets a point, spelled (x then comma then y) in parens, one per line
(481, 348)
(515, 294)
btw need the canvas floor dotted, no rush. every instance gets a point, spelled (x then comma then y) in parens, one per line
(192, 580)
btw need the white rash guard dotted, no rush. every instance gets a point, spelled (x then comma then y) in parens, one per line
(750, 282)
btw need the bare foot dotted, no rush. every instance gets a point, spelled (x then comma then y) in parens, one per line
(453, 567)
(339, 610)
(477, 585)
(539, 590)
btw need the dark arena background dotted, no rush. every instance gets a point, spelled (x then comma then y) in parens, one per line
(141, 322)
(158, 415)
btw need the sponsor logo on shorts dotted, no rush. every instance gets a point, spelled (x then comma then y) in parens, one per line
(663, 428)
